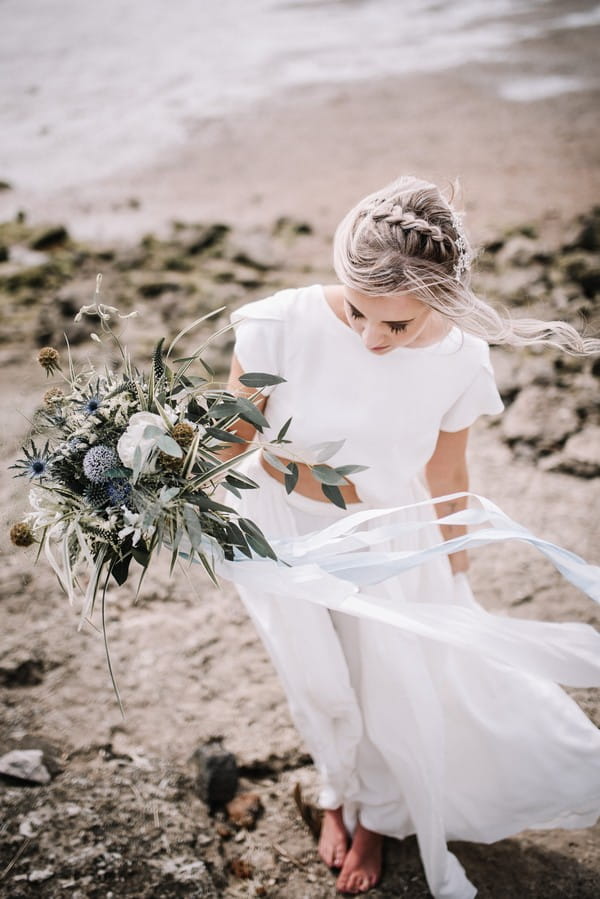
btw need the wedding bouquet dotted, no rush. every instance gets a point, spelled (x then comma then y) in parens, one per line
(128, 463)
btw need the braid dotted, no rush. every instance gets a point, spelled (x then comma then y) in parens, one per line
(407, 238)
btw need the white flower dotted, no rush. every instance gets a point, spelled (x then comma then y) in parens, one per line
(133, 437)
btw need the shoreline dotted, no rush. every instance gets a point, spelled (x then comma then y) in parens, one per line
(314, 151)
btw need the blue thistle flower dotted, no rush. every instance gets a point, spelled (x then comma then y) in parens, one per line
(118, 492)
(95, 495)
(98, 461)
(92, 405)
(35, 464)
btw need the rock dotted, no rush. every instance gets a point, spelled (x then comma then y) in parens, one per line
(582, 268)
(517, 285)
(539, 416)
(217, 775)
(26, 765)
(39, 875)
(48, 238)
(157, 288)
(288, 227)
(4, 254)
(241, 868)
(588, 234)
(21, 671)
(5, 185)
(206, 237)
(254, 250)
(245, 809)
(519, 250)
(581, 454)
(193, 873)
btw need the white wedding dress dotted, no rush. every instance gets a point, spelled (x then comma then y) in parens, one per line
(449, 723)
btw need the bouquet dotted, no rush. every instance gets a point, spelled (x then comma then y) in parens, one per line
(129, 462)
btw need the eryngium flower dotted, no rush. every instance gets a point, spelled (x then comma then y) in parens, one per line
(35, 463)
(96, 495)
(49, 359)
(52, 396)
(97, 463)
(21, 534)
(183, 434)
(91, 405)
(118, 492)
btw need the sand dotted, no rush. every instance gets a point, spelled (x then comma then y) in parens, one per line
(190, 666)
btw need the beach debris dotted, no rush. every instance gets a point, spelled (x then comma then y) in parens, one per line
(39, 875)
(538, 417)
(216, 773)
(245, 809)
(241, 867)
(26, 765)
(580, 455)
(310, 814)
(48, 238)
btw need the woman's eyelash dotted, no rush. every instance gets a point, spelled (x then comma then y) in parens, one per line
(395, 329)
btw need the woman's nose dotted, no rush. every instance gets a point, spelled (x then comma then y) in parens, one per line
(372, 335)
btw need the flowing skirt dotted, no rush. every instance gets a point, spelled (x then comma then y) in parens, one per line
(421, 728)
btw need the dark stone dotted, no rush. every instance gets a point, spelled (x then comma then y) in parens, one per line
(207, 237)
(49, 237)
(156, 288)
(588, 237)
(5, 185)
(3, 253)
(24, 673)
(217, 774)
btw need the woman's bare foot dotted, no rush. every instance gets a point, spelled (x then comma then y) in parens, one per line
(362, 867)
(333, 841)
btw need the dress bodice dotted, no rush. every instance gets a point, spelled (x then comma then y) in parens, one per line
(387, 409)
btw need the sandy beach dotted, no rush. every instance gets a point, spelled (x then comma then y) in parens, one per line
(122, 815)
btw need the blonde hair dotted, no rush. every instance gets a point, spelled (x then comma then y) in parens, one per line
(407, 238)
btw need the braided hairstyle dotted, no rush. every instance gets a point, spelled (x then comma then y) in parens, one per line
(407, 238)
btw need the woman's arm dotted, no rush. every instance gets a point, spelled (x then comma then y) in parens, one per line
(241, 428)
(446, 472)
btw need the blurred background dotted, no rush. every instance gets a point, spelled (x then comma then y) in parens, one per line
(121, 116)
(199, 155)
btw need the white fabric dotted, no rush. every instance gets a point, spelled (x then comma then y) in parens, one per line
(387, 409)
(413, 733)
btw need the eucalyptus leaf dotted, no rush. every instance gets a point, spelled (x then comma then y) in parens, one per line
(283, 430)
(291, 478)
(327, 475)
(275, 462)
(225, 436)
(192, 525)
(151, 431)
(327, 450)
(259, 379)
(169, 446)
(350, 469)
(251, 413)
(334, 495)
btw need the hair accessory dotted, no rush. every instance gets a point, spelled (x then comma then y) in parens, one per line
(463, 263)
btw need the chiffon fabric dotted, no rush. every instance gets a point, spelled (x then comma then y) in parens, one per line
(413, 728)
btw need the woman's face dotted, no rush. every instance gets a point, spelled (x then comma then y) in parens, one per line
(385, 323)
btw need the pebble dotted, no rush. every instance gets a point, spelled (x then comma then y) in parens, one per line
(245, 809)
(26, 765)
(217, 776)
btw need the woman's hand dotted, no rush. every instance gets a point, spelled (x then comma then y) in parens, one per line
(446, 473)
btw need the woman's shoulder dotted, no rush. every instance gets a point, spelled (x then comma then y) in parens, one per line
(277, 307)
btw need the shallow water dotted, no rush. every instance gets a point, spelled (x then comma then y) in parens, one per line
(88, 89)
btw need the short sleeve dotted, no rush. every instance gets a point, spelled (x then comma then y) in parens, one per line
(481, 397)
(258, 337)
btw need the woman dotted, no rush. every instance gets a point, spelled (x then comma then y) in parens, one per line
(410, 731)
